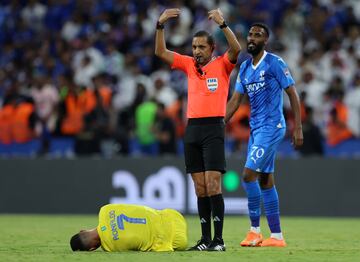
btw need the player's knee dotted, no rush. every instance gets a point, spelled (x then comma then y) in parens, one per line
(214, 191)
(266, 181)
(213, 187)
(200, 190)
(250, 177)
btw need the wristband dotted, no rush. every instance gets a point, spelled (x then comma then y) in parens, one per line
(223, 25)
(159, 26)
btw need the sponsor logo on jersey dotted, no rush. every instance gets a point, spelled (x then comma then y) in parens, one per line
(254, 87)
(212, 84)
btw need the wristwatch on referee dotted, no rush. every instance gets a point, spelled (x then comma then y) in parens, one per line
(159, 26)
(223, 25)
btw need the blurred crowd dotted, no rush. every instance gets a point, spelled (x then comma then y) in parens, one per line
(86, 69)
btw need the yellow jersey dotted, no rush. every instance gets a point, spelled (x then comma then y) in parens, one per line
(132, 227)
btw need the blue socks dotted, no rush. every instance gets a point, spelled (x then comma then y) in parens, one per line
(253, 192)
(271, 205)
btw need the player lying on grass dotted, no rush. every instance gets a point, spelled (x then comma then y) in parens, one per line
(132, 227)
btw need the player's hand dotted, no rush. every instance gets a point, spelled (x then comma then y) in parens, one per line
(217, 16)
(168, 13)
(297, 139)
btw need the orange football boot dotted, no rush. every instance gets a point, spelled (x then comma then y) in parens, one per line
(252, 240)
(273, 242)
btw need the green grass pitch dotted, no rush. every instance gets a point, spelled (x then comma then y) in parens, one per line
(46, 238)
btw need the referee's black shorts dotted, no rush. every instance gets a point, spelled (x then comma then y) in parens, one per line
(204, 145)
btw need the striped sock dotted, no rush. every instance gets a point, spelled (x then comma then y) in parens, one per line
(254, 199)
(271, 206)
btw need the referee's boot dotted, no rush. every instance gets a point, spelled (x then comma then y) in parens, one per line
(216, 245)
(201, 245)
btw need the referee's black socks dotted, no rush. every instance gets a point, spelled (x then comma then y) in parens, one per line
(204, 209)
(217, 208)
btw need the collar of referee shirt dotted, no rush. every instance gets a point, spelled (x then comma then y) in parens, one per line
(200, 67)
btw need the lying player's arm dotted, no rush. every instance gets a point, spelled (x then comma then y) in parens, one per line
(234, 45)
(160, 44)
(233, 105)
(295, 106)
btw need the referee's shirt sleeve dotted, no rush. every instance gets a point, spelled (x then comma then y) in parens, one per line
(182, 62)
(227, 63)
(282, 73)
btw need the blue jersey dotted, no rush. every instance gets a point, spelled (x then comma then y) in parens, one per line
(264, 84)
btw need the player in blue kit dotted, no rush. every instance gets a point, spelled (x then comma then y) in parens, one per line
(263, 78)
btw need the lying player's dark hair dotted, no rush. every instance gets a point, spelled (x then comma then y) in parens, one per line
(210, 38)
(76, 243)
(263, 26)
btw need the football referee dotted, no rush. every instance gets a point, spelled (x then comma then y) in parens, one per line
(208, 86)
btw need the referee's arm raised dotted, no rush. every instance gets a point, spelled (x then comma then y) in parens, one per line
(160, 44)
(234, 45)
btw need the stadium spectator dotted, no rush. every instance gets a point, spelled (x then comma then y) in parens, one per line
(162, 93)
(177, 114)
(165, 132)
(145, 115)
(72, 110)
(337, 129)
(313, 139)
(263, 78)
(96, 119)
(33, 14)
(208, 85)
(113, 61)
(72, 27)
(88, 61)
(6, 116)
(238, 126)
(352, 101)
(314, 91)
(46, 99)
(138, 228)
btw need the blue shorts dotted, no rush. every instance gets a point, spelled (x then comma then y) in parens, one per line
(263, 143)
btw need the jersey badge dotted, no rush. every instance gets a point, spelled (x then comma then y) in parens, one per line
(262, 74)
(212, 84)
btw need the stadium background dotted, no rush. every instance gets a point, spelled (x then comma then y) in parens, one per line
(89, 115)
